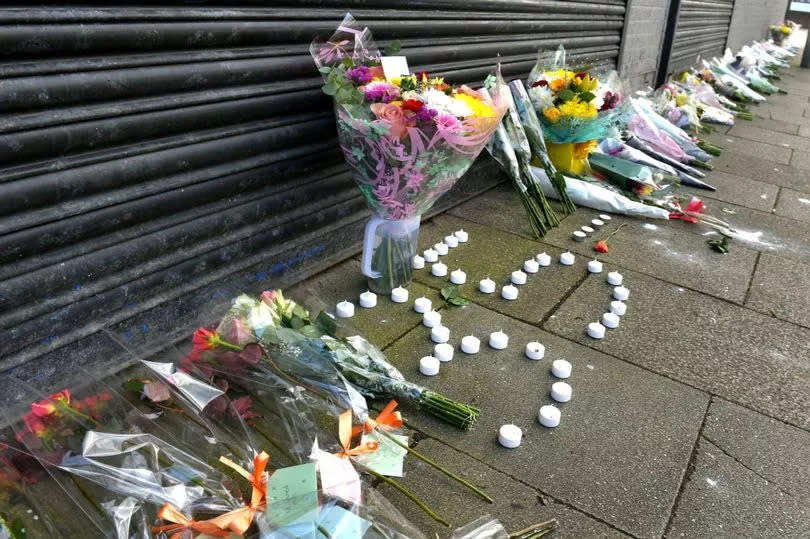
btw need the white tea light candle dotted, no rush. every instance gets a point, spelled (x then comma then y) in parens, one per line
(509, 436)
(443, 352)
(549, 416)
(567, 258)
(422, 305)
(417, 262)
(535, 350)
(399, 295)
(614, 278)
(440, 334)
(594, 266)
(587, 230)
(621, 293)
(618, 307)
(561, 368)
(531, 266)
(560, 392)
(439, 269)
(458, 277)
(461, 235)
(487, 286)
(441, 248)
(509, 292)
(518, 277)
(431, 319)
(543, 259)
(579, 235)
(597, 223)
(368, 299)
(431, 255)
(451, 241)
(470, 344)
(429, 366)
(605, 217)
(344, 309)
(498, 340)
(610, 320)
(596, 330)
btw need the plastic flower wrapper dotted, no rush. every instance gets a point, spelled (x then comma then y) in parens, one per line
(576, 107)
(509, 146)
(687, 174)
(407, 138)
(696, 156)
(731, 79)
(627, 175)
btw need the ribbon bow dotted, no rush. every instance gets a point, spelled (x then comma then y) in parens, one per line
(695, 206)
(181, 523)
(345, 432)
(388, 419)
(239, 520)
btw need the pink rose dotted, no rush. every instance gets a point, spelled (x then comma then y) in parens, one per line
(393, 116)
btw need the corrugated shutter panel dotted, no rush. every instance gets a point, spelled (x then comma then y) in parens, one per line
(150, 158)
(702, 30)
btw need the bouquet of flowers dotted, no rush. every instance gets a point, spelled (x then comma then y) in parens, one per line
(576, 109)
(780, 33)
(407, 138)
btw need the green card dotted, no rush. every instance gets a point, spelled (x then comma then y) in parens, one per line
(343, 524)
(389, 457)
(292, 501)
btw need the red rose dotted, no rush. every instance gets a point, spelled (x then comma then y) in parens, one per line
(413, 105)
(540, 83)
(601, 247)
(582, 74)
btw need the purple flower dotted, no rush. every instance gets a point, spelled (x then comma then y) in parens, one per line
(380, 91)
(359, 75)
(448, 123)
(425, 114)
(414, 179)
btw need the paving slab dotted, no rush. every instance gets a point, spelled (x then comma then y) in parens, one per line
(725, 499)
(781, 288)
(516, 505)
(757, 132)
(381, 325)
(762, 170)
(501, 208)
(776, 452)
(658, 249)
(495, 254)
(794, 204)
(784, 115)
(619, 452)
(730, 351)
(737, 190)
(801, 160)
(790, 128)
(772, 151)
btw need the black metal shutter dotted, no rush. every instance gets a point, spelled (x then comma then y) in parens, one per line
(702, 30)
(154, 160)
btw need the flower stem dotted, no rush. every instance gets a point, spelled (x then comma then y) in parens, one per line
(436, 465)
(614, 232)
(543, 528)
(408, 494)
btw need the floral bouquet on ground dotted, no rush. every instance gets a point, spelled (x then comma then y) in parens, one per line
(407, 138)
(576, 109)
(780, 33)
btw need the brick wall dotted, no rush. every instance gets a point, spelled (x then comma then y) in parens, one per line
(751, 19)
(644, 33)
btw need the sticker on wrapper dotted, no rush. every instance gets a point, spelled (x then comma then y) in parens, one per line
(394, 66)
(292, 492)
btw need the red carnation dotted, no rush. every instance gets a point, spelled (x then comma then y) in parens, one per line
(582, 74)
(540, 83)
(413, 105)
(601, 247)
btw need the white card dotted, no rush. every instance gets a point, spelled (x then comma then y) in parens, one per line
(394, 66)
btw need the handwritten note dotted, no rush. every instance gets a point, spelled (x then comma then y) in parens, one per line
(292, 501)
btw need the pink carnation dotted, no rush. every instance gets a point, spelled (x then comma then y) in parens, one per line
(448, 123)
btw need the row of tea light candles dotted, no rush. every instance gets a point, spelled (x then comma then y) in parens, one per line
(585, 231)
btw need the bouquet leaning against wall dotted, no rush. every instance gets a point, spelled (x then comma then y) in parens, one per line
(407, 138)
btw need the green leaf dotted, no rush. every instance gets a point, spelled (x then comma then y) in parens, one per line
(587, 97)
(297, 323)
(300, 312)
(330, 88)
(326, 70)
(721, 245)
(135, 386)
(392, 48)
(566, 95)
(449, 292)
(458, 301)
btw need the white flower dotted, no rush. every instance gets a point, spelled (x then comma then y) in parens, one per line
(260, 318)
(436, 99)
(459, 108)
(541, 97)
(411, 94)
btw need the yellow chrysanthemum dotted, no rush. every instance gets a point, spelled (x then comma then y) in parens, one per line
(559, 74)
(479, 108)
(586, 83)
(552, 114)
(681, 100)
(577, 109)
(583, 149)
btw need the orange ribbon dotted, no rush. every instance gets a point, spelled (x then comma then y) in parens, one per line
(237, 521)
(345, 432)
(388, 419)
(181, 523)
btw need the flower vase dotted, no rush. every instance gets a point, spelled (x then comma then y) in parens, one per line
(388, 250)
(570, 157)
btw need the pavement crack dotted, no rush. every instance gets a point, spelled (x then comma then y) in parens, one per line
(751, 281)
(744, 465)
(690, 469)
(563, 299)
